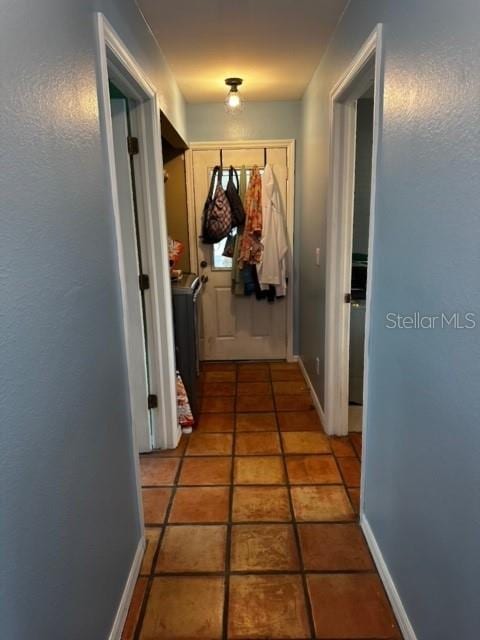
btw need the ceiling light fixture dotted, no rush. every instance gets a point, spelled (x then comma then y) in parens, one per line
(233, 101)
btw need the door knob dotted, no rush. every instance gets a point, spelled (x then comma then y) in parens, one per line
(204, 264)
(204, 279)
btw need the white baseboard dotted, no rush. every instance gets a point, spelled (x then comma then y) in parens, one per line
(293, 358)
(121, 615)
(393, 595)
(316, 401)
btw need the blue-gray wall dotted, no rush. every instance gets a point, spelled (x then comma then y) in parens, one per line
(258, 121)
(69, 521)
(422, 496)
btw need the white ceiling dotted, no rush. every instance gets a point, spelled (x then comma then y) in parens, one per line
(274, 45)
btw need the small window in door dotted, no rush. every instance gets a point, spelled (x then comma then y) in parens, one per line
(219, 261)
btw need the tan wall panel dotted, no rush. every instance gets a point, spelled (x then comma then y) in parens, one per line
(176, 204)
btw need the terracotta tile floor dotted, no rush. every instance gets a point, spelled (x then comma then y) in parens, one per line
(251, 523)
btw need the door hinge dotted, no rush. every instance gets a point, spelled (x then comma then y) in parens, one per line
(347, 298)
(152, 401)
(144, 282)
(132, 144)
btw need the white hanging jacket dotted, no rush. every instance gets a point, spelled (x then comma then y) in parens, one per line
(272, 270)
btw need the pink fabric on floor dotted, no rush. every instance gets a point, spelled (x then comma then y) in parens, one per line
(185, 417)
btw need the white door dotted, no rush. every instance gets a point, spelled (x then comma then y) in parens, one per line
(135, 326)
(234, 327)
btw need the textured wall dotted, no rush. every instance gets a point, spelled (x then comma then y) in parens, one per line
(422, 494)
(259, 121)
(69, 522)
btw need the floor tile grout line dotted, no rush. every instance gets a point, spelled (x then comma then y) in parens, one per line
(304, 577)
(264, 572)
(359, 458)
(244, 484)
(296, 534)
(228, 541)
(151, 575)
(375, 571)
(255, 455)
(348, 495)
(347, 488)
(227, 572)
(209, 523)
(254, 431)
(292, 522)
(159, 545)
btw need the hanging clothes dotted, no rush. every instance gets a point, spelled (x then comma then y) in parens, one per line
(272, 269)
(251, 246)
(238, 287)
(252, 285)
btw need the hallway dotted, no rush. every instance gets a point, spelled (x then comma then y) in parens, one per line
(251, 522)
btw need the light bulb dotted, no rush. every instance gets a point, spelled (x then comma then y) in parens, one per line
(233, 100)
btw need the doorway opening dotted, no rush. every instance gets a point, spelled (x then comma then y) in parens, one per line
(130, 123)
(126, 147)
(355, 104)
(234, 325)
(131, 129)
(361, 223)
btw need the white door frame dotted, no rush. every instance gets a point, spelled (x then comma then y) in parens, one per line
(136, 349)
(367, 66)
(115, 62)
(228, 145)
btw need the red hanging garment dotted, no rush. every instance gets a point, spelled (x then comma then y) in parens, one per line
(251, 247)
